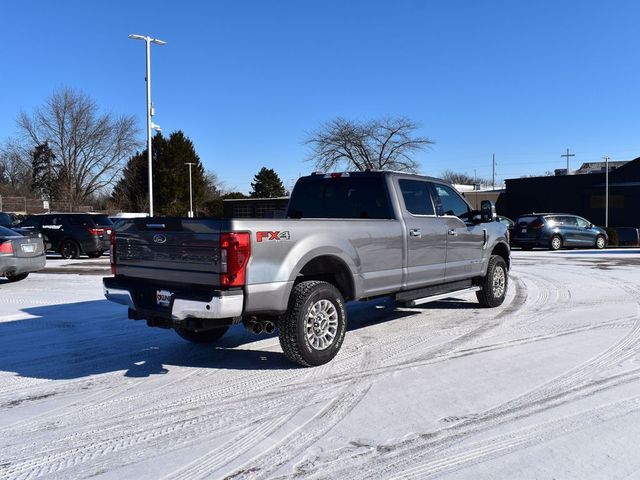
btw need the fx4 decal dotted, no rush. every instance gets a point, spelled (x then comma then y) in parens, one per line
(260, 236)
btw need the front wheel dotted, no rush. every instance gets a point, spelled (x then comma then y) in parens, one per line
(206, 336)
(601, 242)
(313, 327)
(17, 278)
(494, 284)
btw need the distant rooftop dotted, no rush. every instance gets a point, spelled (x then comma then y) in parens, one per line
(599, 167)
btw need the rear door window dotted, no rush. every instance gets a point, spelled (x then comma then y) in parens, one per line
(32, 222)
(342, 197)
(417, 198)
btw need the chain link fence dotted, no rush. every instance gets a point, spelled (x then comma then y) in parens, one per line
(28, 206)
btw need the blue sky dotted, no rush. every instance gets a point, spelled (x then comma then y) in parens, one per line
(247, 80)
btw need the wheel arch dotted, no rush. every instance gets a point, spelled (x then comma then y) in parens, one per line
(502, 250)
(331, 269)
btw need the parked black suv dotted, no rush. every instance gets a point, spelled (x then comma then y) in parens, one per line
(71, 234)
(556, 230)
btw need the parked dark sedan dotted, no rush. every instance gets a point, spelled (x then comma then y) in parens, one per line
(555, 231)
(20, 255)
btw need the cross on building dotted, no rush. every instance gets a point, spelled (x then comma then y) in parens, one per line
(568, 155)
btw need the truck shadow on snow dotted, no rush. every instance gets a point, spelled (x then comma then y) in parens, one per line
(72, 341)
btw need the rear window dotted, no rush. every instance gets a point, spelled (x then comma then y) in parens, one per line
(80, 220)
(343, 197)
(102, 220)
(527, 219)
(5, 232)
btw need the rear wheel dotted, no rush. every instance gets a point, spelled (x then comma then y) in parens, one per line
(69, 249)
(17, 278)
(206, 336)
(555, 243)
(312, 330)
(494, 284)
(601, 242)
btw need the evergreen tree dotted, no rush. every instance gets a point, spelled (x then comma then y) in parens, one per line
(267, 184)
(170, 179)
(43, 172)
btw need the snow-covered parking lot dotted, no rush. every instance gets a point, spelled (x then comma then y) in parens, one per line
(546, 386)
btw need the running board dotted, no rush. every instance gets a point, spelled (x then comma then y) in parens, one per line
(434, 298)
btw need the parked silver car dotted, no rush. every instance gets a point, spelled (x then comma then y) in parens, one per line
(20, 255)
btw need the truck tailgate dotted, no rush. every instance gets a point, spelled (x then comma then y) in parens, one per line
(171, 250)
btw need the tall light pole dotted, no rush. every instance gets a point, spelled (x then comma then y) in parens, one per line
(190, 191)
(150, 125)
(606, 191)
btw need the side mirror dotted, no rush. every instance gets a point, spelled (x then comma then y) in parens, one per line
(487, 211)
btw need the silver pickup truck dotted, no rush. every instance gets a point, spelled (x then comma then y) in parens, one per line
(346, 236)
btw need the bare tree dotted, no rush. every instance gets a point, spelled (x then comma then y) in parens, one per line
(386, 144)
(460, 178)
(90, 147)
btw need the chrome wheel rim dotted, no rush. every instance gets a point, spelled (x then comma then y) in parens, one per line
(322, 324)
(600, 242)
(499, 282)
(555, 243)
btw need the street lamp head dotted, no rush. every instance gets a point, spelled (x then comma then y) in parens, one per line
(158, 42)
(137, 37)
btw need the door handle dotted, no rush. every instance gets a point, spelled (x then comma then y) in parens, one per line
(453, 232)
(414, 232)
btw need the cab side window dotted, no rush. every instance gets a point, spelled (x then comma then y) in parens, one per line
(417, 199)
(449, 202)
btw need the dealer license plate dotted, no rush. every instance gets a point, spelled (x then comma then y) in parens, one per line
(28, 248)
(524, 230)
(163, 297)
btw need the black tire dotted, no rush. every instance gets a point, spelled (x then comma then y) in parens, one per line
(95, 254)
(601, 242)
(206, 336)
(70, 249)
(17, 278)
(302, 343)
(493, 290)
(555, 243)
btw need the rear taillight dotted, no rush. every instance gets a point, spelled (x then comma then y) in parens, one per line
(235, 249)
(112, 251)
(6, 248)
(95, 231)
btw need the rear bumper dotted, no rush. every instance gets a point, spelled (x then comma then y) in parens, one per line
(217, 304)
(529, 242)
(19, 265)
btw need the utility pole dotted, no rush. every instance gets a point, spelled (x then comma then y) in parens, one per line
(568, 155)
(150, 125)
(606, 191)
(190, 191)
(493, 176)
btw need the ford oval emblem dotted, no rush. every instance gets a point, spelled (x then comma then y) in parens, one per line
(159, 238)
